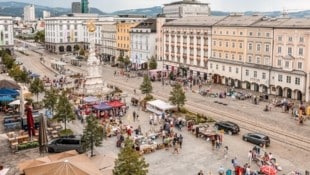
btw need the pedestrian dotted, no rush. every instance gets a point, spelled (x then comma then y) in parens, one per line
(221, 170)
(134, 115)
(225, 152)
(200, 172)
(134, 91)
(137, 117)
(250, 157)
(180, 141)
(234, 162)
(197, 131)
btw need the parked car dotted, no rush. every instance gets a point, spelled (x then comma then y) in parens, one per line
(257, 138)
(65, 144)
(228, 127)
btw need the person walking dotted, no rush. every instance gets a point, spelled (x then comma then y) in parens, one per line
(250, 157)
(225, 152)
(180, 141)
(134, 115)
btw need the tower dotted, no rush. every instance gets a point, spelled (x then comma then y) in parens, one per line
(84, 6)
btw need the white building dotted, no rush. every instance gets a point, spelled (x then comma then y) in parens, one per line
(46, 14)
(108, 49)
(143, 41)
(6, 33)
(187, 45)
(67, 33)
(29, 13)
(185, 8)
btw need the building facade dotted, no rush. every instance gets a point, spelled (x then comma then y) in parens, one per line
(187, 45)
(84, 6)
(108, 49)
(29, 13)
(6, 33)
(186, 8)
(46, 14)
(67, 33)
(123, 36)
(76, 7)
(261, 54)
(143, 37)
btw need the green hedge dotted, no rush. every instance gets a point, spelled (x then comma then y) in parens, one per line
(28, 145)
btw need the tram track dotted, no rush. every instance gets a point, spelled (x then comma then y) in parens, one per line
(274, 133)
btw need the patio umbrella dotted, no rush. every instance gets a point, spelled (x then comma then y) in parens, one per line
(8, 92)
(31, 163)
(9, 84)
(90, 99)
(42, 134)
(56, 157)
(30, 122)
(17, 102)
(76, 165)
(268, 170)
(6, 98)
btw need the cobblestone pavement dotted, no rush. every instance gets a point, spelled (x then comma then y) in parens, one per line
(196, 153)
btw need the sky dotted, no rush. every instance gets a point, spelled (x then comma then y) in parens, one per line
(223, 5)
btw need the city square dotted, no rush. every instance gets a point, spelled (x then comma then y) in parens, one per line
(112, 83)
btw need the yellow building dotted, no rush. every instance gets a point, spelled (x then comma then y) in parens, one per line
(123, 37)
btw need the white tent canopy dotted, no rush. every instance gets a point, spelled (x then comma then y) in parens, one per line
(159, 106)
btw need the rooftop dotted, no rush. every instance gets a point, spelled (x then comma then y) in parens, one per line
(186, 2)
(239, 20)
(147, 24)
(196, 21)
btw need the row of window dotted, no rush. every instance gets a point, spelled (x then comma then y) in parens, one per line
(255, 74)
(290, 39)
(289, 79)
(227, 56)
(233, 44)
(121, 38)
(259, 47)
(290, 51)
(287, 64)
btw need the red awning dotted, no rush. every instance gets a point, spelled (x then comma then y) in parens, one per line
(115, 104)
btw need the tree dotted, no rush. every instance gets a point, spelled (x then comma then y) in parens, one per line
(19, 75)
(36, 87)
(76, 48)
(153, 63)
(120, 59)
(82, 52)
(126, 61)
(146, 86)
(177, 96)
(7, 60)
(64, 110)
(40, 36)
(92, 134)
(129, 161)
(50, 100)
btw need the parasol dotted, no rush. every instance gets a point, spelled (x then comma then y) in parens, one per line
(30, 122)
(268, 170)
(42, 134)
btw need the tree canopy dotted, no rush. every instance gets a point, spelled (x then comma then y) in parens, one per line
(64, 110)
(177, 96)
(153, 63)
(92, 134)
(146, 86)
(51, 98)
(36, 87)
(40, 36)
(129, 161)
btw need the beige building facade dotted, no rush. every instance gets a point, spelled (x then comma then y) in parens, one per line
(261, 54)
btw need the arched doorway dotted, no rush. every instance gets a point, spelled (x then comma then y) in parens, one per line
(217, 79)
(263, 88)
(298, 95)
(69, 48)
(237, 83)
(255, 87)
(247, 85)
(61, 48)
(288, 93)
(76, 48)
(279, 91)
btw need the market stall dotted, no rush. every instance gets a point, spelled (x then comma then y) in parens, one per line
(158, 107)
